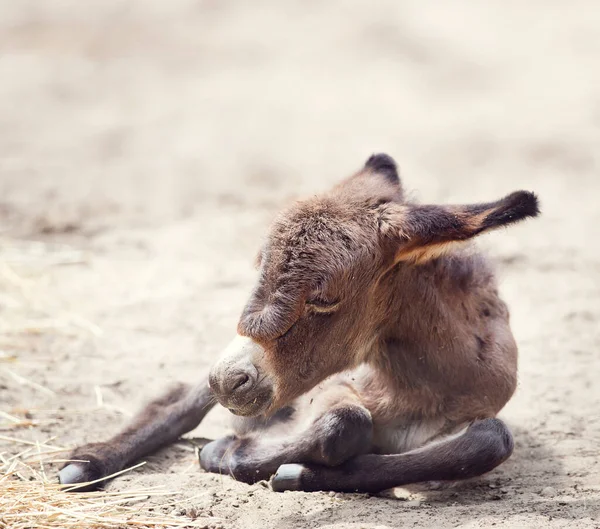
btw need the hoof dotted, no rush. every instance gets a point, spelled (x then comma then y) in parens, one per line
(207, 455)
(287, 477)
(76, 477)
(71, 474)
(212, 456)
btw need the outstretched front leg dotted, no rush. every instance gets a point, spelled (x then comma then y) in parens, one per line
(337, 432)
(158, 424)
(480, 448)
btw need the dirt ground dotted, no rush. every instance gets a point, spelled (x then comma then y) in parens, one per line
(145, 146)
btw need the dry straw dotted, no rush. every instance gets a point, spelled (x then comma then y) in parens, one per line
(25, 504)
(28, 498)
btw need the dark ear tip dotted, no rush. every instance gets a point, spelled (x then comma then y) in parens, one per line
(384, 164)
(380, 161)
(525, 202)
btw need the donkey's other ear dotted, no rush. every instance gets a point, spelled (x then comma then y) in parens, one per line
(425, 232)
(385, 165)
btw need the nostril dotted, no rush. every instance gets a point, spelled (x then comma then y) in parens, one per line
(239, 381)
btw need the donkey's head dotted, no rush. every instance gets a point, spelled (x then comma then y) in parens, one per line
(316, 310)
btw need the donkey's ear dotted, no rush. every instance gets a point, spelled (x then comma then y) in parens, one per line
(426, 232)
(385, 165)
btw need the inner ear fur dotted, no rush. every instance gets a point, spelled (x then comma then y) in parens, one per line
(427, 231)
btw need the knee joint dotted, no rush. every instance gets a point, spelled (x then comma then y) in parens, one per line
(344, 433)
(496, 441)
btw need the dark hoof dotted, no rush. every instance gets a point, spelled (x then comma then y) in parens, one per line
(287, 477)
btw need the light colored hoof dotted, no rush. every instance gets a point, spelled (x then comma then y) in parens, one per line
(209, 456)
(77, 477)
(287, 477)
(72, 474)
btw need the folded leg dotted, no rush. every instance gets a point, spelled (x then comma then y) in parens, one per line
(337, 428)
(480, 448)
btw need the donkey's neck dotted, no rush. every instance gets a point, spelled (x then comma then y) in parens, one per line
(429, 303)
(433, 315)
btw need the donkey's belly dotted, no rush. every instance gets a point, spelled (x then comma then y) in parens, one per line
(404, 436)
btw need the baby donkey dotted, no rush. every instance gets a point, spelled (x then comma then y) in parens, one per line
(374, 351)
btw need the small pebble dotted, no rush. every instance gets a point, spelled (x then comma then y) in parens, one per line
(332, 494)
(548, 491)
(504, 490)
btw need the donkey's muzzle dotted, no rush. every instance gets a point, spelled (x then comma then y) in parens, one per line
(237, 380)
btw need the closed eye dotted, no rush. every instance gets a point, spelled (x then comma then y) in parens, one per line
(322, 306)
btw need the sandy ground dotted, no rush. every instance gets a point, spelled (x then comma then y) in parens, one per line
(144, 147)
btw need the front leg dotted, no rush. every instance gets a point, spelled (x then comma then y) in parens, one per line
(159, 423)
(336, 436)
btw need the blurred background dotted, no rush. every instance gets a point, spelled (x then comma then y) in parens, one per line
(146, 145)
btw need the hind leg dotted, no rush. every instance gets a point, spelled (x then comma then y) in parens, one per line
(480, 448)
(326, 429)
